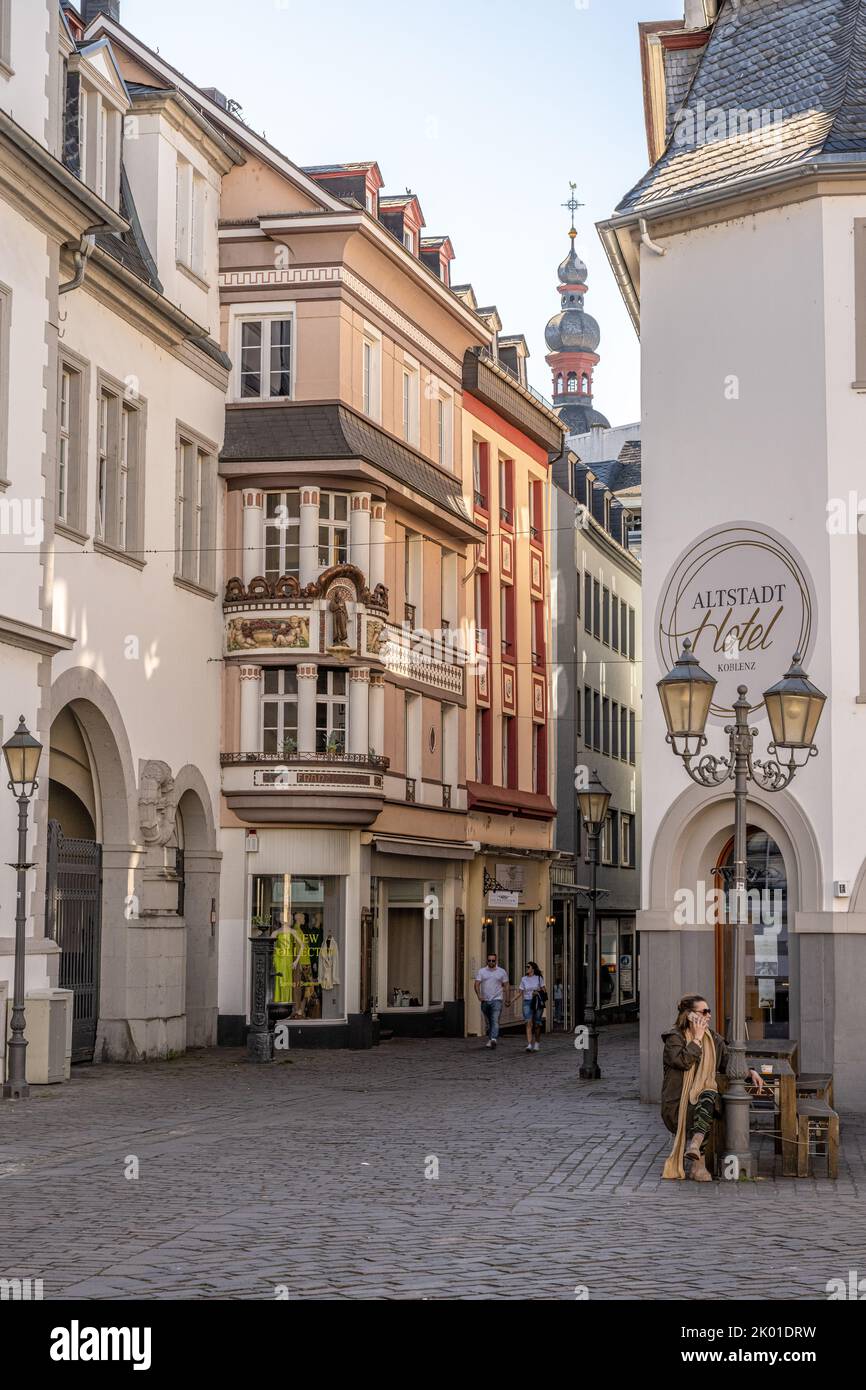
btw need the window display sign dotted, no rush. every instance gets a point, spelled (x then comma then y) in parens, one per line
(743, 597)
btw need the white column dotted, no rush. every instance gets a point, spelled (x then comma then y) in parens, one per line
(309, 535)
(254, 534)
(377, 712)
(251, 709)
(307, 674)
(359, 532)
(359, 710)
(377, 545)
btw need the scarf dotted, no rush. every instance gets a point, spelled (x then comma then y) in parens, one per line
(696, 1080)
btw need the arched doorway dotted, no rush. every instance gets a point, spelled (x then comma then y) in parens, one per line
(767, 962)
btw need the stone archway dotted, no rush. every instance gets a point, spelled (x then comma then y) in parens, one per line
(677, 958)
(196, 837)
(91, 796)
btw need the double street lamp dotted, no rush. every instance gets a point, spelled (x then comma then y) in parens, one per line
(794, 707)
(594, 800)
(22, 752)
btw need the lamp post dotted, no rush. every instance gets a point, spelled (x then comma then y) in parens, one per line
(594, 801)
(22, 752)
(794, 708)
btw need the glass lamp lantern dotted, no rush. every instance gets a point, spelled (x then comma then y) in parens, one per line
(794, 707)
(22, 753)
(686, 693)
(593, 800)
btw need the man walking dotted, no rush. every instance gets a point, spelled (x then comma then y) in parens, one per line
(491, 987)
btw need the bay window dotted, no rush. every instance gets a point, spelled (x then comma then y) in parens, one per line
(282, 533)
(333, 528)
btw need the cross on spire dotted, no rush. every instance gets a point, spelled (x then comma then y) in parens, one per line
(572, 206)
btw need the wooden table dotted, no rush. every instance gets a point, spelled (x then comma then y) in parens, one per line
(789, 1048)
(783, 1082)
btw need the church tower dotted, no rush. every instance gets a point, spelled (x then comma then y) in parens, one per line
(573, 336)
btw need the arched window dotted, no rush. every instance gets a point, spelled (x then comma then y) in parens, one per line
(584, 383)
(572, 381)
(559, 383)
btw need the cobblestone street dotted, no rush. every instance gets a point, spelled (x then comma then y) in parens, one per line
(311, 1174)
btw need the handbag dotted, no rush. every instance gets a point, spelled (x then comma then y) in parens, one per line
(539, 1000)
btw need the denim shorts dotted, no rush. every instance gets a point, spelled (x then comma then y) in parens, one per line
(528, 1009)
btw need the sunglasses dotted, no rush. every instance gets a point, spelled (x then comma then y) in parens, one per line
(704, 1011)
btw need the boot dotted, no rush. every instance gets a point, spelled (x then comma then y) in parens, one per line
(694, 1162)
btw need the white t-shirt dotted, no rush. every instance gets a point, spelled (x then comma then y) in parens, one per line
(530, 984)
(491, 982)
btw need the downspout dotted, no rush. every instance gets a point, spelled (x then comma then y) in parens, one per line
(647, 241)
(81, 255)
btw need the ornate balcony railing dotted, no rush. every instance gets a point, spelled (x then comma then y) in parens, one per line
(374, 760)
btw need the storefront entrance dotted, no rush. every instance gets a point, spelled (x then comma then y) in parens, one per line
(768, 970)
(511, 936)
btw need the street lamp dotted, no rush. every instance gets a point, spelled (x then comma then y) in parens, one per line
(22, 752)
(794, 708)
(593, 801)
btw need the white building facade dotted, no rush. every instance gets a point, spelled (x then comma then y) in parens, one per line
(743, 259)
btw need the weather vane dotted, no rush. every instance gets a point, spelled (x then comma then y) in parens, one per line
(572, 206)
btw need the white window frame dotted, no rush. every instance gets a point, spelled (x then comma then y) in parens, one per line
(5, 361)
(371, 372)
(195, 510)
(190, 203)
(625, 840)
(332, 700)
(411, 400)
(286, 701)
(409, 239)
(444, 429)
(287, 534)
(335, 527)
(241, 314)
(121, 469)
(99, 137)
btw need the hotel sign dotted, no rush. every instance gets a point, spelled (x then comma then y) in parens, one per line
(743, 596)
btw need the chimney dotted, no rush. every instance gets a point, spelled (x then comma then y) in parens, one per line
(91, 8)
(700, 14)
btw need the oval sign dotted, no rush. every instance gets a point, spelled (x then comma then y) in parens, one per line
(744, 597)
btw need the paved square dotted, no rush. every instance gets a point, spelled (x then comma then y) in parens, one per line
(310, 1174)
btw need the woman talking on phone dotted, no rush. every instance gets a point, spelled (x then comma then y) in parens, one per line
(694, 1053)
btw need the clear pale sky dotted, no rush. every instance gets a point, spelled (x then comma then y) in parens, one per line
(484, 108)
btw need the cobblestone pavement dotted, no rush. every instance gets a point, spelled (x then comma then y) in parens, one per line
(310, 1174)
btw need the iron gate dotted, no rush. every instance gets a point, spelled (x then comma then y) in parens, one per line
(73, 920)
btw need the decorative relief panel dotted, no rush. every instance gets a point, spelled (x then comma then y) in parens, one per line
(536, 574)
(509, 690)
(539, 699)
(506, 558)
(245, 634)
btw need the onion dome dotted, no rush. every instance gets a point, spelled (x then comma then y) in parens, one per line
(572, 329)
(572, 270)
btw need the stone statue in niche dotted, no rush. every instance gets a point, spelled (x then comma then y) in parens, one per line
(157, 806)
(339, 618)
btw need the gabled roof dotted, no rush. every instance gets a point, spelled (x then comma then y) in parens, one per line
(789, 74)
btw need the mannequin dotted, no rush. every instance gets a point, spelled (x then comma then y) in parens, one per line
(288, 947)
(329, 962)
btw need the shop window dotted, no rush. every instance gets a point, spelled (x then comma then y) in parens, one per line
(305, 915)
(282, 533)
(333, 529)
(280, 710)
(767, 945)
(331, 712)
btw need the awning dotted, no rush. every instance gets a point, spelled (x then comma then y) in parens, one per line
(424, 849)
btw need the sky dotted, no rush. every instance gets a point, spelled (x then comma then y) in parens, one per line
(484, 108)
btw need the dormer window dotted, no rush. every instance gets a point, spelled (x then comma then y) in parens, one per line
(189, 218)
(99, 132)
(409, 239)
(370, 202)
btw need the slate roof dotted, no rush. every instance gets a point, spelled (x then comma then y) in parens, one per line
(619, 473)
(309, 432)
(130, 248)
(802, 62)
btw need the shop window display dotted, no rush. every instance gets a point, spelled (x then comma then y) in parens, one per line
(306, 922)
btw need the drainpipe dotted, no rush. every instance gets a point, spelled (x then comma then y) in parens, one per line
(81, 255)
(647, 241)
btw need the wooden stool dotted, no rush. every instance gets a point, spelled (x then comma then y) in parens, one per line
(816, 1120)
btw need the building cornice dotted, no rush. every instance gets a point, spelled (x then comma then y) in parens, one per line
(45, 191)
(183, 117)
(16, 633)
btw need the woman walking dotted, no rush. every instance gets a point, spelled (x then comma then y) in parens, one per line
(693, 1055)
(534, 1000)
